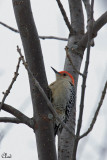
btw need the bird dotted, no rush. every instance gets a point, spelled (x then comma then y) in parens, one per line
(62, 97)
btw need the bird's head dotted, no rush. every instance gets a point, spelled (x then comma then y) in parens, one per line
(64, 75)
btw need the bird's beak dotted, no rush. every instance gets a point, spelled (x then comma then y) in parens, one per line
(55, 71)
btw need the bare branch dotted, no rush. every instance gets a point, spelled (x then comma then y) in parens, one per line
(65, 139)
(34, 58)
(11, 84)
(23, 118)
(41, 37)
(9, 126)
(43, 93)
(53, 37)
(84, 82)
(88, 10)
(76, 16)
(10, 120)
(65, 16)
(96, 113)
(68, 55)
(85, 77)
(11, 28)
(98, 24)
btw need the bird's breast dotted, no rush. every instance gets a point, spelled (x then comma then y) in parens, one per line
(60, 94)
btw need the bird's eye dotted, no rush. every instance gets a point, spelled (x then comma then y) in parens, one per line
(64, 74)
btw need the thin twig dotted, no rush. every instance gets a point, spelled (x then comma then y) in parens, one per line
(11, 28)
(23, 118)
(41, 37)
(65, 16)
(53, 37)
(96, 113)
(84, 78)
(11, 84)
(84, 84)
(43, 93)
(68, 55)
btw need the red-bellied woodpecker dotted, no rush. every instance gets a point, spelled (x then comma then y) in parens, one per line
(63, 97)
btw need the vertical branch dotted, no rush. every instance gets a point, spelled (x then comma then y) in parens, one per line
(65, 16)
(76, 14)
(84, 84)
(34, 58)
(66, 140)
(88, 10)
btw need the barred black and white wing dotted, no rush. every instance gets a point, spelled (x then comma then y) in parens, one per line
(70, 104)
(68, 110)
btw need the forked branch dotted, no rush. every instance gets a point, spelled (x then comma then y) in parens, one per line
(98, 24)
(19, 115)
(11, 84)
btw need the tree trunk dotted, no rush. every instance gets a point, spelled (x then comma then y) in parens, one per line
(43, 126)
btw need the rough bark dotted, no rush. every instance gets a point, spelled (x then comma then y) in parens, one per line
(76, 43)
(66, 141)
(34, 58)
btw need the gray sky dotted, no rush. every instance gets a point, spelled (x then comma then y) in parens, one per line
(20, 141)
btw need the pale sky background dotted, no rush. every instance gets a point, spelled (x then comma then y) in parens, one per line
(20, 140)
